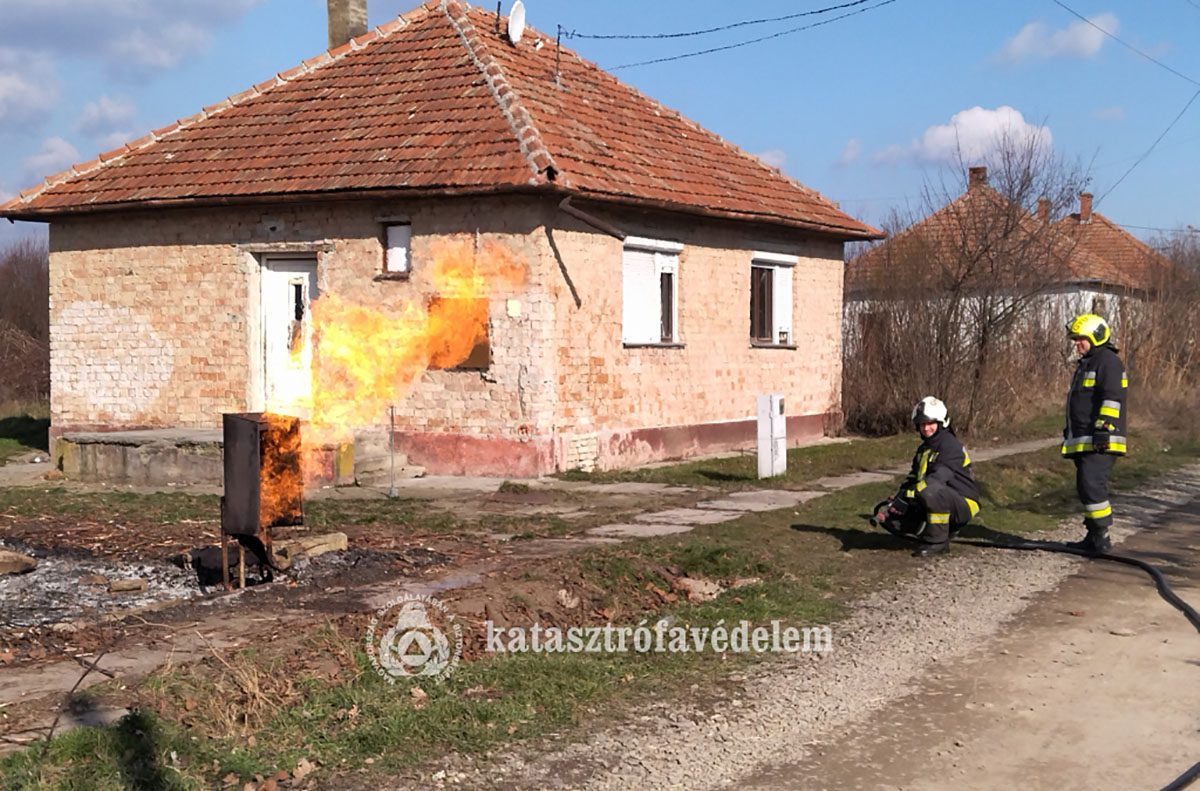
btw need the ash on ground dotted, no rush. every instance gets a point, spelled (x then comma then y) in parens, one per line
(63, 589)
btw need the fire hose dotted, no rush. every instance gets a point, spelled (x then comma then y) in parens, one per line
(1160, 583)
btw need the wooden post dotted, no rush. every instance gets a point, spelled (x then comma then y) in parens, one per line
(241, 565)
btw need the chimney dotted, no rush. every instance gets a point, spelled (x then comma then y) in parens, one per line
(1044, 210)
(1085, 207)
(347, 20)
(977, 177)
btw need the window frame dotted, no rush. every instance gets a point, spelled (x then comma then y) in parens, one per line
(665, 275)
(782, 267)
(386, 226)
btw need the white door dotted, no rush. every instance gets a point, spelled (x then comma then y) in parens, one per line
(289, 285)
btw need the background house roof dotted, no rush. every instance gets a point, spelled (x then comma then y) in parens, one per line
(1130, 263)
(438, 101)
(983, 222)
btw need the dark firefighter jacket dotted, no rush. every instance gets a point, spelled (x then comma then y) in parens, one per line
(1096, 402)
(941, 458)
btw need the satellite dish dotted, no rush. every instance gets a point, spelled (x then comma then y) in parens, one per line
(516, 22)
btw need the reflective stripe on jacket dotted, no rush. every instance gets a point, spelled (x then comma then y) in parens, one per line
(941, 458)
(1096, 402)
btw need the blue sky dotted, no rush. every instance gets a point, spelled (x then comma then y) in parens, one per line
(865, 109)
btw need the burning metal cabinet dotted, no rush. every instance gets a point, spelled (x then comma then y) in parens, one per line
(264, 483)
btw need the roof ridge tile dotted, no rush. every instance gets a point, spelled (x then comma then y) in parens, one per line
(529, 139)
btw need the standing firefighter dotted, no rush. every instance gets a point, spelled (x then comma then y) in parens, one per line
(1095, 431)
(939, 496)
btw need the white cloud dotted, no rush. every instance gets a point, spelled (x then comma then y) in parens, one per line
(131, 37)
(775, 158)
(891, 155)
(1109, 114)
(105, 115)
(972, 133)
(29, 88)
(56, 155)
(1078, 39)
(851, 151)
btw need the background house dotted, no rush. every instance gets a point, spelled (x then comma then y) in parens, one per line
(254, 256)
(970, 302)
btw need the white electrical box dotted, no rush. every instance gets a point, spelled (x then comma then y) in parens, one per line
(772, 436)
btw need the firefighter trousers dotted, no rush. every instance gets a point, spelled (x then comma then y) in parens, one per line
(1091, 484)
(945, 511)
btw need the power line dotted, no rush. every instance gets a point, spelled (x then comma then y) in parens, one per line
(1188, 229)
(1152, 146)
(751, 41)
(575, 34)
(1193, 3)
(1126, 45)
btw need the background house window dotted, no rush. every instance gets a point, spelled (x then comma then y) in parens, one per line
(650, 291)
(771, 298)
(398, 238)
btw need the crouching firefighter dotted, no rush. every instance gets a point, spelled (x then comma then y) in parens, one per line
(1095, 432)
(939, 496)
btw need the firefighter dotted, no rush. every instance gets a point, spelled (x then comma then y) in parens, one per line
(1095, 432)
(939, 496)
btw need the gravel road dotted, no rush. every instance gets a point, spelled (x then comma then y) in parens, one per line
(892, 639)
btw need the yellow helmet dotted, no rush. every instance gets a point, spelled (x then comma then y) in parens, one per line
(1090, 327)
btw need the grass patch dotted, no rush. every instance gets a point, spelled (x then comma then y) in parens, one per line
(21, 434)
(513, 487)
(105, 506)
(741, 472)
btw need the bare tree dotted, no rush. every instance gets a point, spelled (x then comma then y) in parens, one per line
(954, 304)
(25, 321)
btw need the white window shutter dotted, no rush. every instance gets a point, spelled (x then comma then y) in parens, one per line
(639, 297)
(399, 239)
(782, 309)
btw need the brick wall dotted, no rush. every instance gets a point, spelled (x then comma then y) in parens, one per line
(154, 323)
(603, 389)
(153, 314)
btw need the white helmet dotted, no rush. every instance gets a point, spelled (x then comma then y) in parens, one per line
(931, 410)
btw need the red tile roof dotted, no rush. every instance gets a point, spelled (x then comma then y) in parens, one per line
(982, 231)
(1130, 263)
(437, 101)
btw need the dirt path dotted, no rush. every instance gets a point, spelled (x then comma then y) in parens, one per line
(1097, 685)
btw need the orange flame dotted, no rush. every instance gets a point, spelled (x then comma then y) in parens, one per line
(281, 484)
(367, 358)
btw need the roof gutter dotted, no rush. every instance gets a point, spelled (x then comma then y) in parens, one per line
(442, 191)
(600, 225)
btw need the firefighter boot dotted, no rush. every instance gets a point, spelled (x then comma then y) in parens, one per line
(1096, 541)
(929, 550)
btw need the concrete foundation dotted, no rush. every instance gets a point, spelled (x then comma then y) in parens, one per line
(158, 457)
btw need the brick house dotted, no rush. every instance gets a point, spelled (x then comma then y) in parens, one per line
(671, 277)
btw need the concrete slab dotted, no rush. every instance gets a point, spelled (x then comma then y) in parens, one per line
(154, 436)
(638, 531)
(856, 479)
(633, 487)
(761, 500)
(686, 516)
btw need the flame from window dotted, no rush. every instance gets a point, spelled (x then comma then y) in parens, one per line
(366, 358)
